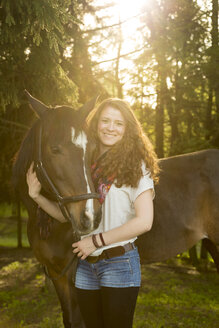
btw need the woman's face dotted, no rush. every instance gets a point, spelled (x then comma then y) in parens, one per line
(110, 128)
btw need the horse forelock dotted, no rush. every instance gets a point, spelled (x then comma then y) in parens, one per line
(58, 124)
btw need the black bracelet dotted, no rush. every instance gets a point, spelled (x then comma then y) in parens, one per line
(94, 239)
(101, 238)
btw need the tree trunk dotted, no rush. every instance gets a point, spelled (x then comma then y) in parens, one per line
(173, 122)
(215, 54)
(208, 120)
(19, 224)
(117, 80)
(159, 118)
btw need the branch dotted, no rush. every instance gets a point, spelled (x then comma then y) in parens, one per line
(113, 25)
(14, 123)
(116, 58)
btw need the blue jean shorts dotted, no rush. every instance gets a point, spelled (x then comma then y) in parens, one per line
(119, 271)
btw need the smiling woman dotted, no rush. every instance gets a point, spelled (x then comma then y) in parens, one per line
(108, 273)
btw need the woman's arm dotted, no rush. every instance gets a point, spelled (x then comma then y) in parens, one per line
(141, 223)
(34, 188)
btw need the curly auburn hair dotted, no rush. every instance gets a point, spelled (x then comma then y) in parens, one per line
(124, 159)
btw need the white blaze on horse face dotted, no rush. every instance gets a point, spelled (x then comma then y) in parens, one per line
(81, 142)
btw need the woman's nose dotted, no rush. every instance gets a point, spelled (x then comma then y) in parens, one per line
(111, 126)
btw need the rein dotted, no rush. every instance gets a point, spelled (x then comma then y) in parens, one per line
(69, 264)
(62, 201)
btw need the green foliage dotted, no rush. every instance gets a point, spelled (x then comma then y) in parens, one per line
(38, 28)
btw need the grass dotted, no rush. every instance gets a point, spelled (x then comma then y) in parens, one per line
(24, 301)
(172, 295)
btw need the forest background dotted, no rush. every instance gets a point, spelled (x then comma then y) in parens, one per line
(160, 55)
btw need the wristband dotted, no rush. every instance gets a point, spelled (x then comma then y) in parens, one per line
(101, 238)
(94, 239)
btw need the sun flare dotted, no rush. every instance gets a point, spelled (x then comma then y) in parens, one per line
(128, 8)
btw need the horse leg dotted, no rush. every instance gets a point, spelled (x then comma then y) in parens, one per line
(67, 297)
(212, 249)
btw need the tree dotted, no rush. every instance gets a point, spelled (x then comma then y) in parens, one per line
(175, 37)
(32, 36)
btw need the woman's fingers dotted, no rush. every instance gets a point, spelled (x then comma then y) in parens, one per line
(30, 170)
(75, 250)
(34, 185)
(79, 254)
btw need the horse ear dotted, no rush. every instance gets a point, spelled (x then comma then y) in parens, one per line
(38, 107)
(87, 108)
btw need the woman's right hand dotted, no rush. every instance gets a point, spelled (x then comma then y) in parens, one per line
(33, 183)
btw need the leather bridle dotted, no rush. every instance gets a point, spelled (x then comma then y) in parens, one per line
(44, 178)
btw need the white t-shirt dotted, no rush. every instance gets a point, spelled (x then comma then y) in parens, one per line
(118, 207)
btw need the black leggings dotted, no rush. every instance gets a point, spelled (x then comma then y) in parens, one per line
(108, 307)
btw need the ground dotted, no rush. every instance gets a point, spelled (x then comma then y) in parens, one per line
(173, 294)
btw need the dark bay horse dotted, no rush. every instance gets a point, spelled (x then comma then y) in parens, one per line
(57, 144)
(186, 207)
(186, 202)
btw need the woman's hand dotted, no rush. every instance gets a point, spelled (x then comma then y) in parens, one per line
(84, 247)
(33, 183)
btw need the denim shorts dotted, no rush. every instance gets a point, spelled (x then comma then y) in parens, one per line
(119, 271)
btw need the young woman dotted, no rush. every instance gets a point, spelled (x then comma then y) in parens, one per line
(124, 167)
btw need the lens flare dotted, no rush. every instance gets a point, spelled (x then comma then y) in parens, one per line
(129, 8)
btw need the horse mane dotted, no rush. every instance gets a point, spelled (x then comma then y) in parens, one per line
(24, 156)
(27, 154)
(22, 161)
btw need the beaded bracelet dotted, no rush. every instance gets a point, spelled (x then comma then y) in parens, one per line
(94, 239)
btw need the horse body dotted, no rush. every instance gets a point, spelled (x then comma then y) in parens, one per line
(186, 206)
(58, 143)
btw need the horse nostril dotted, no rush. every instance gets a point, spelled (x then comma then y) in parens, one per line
(85, 222)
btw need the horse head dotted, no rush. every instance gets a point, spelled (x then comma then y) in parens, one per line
(62, 162)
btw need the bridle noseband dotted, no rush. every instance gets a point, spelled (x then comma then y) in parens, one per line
(62, 201)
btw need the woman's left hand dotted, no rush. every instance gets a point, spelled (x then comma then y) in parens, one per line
(84, 247)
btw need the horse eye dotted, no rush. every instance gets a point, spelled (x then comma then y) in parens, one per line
(55, 149)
